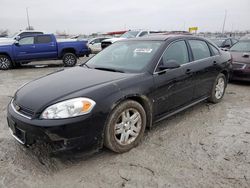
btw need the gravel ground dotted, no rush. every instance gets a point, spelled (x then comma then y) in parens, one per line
(204, 146)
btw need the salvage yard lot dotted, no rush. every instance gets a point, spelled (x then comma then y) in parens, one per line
(204, 146)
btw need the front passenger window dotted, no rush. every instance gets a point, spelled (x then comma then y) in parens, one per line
(176, 51)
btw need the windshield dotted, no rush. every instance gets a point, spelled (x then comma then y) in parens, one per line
(130, 34)
(125, 56)
(218, 42)
(241, 46)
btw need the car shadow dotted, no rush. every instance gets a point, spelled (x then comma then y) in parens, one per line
(243, 83)
(32, 66)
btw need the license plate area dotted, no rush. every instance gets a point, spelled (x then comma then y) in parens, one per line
(16, 132)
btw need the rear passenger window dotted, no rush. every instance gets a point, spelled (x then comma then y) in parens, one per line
(176, 51)
(215, 50)
(43, 39)
(200, 49)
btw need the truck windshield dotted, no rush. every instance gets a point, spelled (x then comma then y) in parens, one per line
(242, 46)
(125, 56)
(130, 34)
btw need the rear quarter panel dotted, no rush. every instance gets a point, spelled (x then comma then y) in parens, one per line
(80, 47)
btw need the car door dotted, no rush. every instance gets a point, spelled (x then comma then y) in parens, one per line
(24, 49)
(205, 67)
(173, 87)
(45, 47)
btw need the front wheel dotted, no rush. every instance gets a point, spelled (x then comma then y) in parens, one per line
(5, 62)
(69, 59)
(218, 89)
(125, 127)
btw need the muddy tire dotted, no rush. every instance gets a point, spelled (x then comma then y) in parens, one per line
(69, 59)
(5, 62)
(125, 127)
(218, 89)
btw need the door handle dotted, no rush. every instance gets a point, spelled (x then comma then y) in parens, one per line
(215, 63)
(33, 46)
(188, 71)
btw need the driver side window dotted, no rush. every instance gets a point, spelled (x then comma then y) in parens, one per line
(26, 40)
(177, 52)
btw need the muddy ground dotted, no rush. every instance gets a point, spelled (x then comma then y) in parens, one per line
(205, 146)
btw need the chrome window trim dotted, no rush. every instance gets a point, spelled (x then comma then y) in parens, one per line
(17, 111)
(182, 64)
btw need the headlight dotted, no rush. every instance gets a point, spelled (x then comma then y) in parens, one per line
(69, 108)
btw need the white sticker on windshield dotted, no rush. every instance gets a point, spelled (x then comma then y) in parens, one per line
(143, 50)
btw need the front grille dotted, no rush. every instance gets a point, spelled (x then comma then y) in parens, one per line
(239, 65)
(23, 110)
(105, 44)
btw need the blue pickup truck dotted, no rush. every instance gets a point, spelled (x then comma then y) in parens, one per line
(40, 47)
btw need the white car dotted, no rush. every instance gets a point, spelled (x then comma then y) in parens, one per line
(20, 34)
(127, 35)
(95, 44)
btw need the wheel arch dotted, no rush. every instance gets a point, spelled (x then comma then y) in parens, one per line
(226, 73)
(142, 100)
(67, 50)
(6, 54)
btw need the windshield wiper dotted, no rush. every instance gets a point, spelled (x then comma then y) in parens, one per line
(108, 69)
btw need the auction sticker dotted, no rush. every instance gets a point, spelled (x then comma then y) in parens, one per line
(143, 50)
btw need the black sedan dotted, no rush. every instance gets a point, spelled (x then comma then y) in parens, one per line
(111, 99)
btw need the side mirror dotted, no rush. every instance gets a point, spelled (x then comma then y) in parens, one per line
(171, 64)
(17, 37)
(226, 46)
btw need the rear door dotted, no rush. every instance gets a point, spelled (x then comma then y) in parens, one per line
(174, 87)
(205, 67)
(46, 47)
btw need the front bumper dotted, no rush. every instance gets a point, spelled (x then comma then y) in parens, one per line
(83, 132)
(240, 72)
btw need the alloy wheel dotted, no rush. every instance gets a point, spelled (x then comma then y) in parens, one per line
(128, 126)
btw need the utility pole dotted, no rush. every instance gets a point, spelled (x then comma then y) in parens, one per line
(28, 19)
(223, 27)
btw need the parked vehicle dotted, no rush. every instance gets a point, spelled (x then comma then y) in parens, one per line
(110, 100)
(241, 60)
(95, 44)
(246, 37)
(23, 33)
(224, 42)
(127, 35)
(40, 47)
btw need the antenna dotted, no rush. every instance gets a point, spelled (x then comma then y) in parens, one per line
(28, 19)
(224, 22)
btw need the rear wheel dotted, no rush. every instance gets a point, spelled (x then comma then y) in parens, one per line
(5, 62)
(218, 89)
(125, 127)
(69, 59)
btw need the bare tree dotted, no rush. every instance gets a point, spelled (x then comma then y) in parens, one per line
(4, 32)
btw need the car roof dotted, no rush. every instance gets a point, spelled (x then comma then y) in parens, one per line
(164, 37)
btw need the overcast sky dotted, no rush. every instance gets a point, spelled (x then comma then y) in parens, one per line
(87, 16)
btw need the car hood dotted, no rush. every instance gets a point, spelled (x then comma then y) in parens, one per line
(53, 87)
(8, 41)
(239, 57)
(112, 40)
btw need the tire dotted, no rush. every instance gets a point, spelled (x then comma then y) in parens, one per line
(69, 59)
(125, 127)
(218, 89)
(5, 62)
